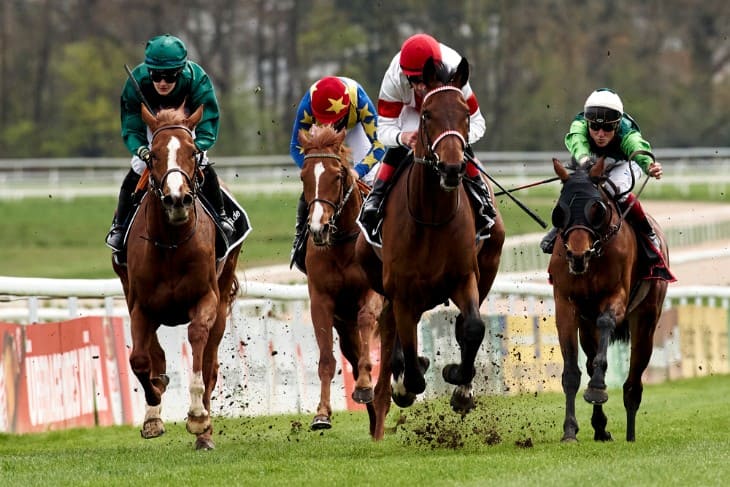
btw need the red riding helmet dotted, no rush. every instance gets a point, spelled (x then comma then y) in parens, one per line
(330, 100)
(415, 52)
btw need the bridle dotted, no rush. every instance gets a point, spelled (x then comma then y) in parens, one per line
(344, 197)
(431, 158)
(156, 188)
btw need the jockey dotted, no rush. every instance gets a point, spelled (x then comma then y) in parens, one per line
(399, 104)
(342, 103)
(604, 129)
(166, 79)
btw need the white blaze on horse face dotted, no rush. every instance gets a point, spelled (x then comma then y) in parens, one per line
(175, 179)
(197, 388)
(318, 212)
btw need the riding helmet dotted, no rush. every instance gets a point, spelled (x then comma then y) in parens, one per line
(415, 52)
(165, 52)
(603, 106)
(330, 100)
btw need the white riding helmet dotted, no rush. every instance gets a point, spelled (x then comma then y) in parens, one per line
(603, 106)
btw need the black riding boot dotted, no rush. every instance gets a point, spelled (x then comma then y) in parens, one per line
(641, 224)
(548, 241)
(484, 212)
(371, 212)
(299, 246)
(212, 192)
(115, 237)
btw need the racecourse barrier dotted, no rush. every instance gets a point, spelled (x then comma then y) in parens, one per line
(74, 372)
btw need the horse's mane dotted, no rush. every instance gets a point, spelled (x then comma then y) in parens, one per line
(170, 116)
(324, 136)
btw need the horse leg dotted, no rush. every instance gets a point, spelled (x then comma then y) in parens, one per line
(596, 391)
(383, 390)
(567, 326)
(140, 360)
(642, 345)
(355, 346)
(322, 311)
(407, 327)
(203, 318)
(367, 318)
(469, 330)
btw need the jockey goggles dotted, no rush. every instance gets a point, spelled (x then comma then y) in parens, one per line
(605, 126)
(169, 75)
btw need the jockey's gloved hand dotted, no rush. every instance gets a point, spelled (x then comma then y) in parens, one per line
(144, 153)
(583, 160)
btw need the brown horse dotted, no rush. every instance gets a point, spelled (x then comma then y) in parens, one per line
(430, 253)
(339, 292)
(599, 295)
(171, 277)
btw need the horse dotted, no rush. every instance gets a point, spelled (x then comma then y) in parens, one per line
(339, 293)
(171, 277)
(430, 253)
(599, 294)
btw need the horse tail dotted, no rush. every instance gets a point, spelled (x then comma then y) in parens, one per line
(233, 292)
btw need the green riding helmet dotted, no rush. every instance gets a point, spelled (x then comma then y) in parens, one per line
(165, 52)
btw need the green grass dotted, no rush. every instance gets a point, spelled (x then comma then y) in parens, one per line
(681, 440)
(64, 238)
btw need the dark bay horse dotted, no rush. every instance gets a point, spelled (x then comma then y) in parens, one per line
(430, 254)
(171, 277)
(599, 295)
(340, 295)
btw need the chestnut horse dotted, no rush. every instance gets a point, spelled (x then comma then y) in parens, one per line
(430, 253)
(340, 296)
(171, 277)
(599, 295)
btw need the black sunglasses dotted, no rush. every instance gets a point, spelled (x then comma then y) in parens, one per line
(168, 76)
(605, 126)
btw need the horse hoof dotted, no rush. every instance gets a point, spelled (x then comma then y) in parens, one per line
(462, 401)
(404, 400)
(605, 436)
(197, 425)
(363, 395)
(320, 422)
(204, 444)
(152, 428)
(569, 439)
(595, 396)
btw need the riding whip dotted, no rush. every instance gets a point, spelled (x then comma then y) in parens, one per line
(525, 186)
(524, 208)
(137, 89)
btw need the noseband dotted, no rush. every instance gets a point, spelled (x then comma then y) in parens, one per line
(432, 159)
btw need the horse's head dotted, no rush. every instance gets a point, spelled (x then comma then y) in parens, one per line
(173, 162)
(443, 131)
(327, 180)
(583, 215)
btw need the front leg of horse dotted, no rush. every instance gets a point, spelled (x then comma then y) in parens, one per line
(140, 360)
(414, 381)
(203, 318)
(596, 391)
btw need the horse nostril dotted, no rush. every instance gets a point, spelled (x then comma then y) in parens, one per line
(167, 200)
(187, 199)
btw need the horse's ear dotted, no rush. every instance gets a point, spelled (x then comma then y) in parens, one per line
(560, 170)
(461, 76)
(429, 71)
(302, 136)
(148, 117)
(194, 119)
(597, 169)
(340, 137)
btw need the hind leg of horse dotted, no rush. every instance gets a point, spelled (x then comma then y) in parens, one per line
(568, 336)
(642, 344)
(203, 318)
(355, 346)
(596, 391)
(322, 310)
(383, 390)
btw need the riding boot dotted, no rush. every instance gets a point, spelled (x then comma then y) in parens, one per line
(640, 222)
(299, 246)
(484, 212)
(212, 192)
(115, 237)
(371, 211)
(548, 241)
